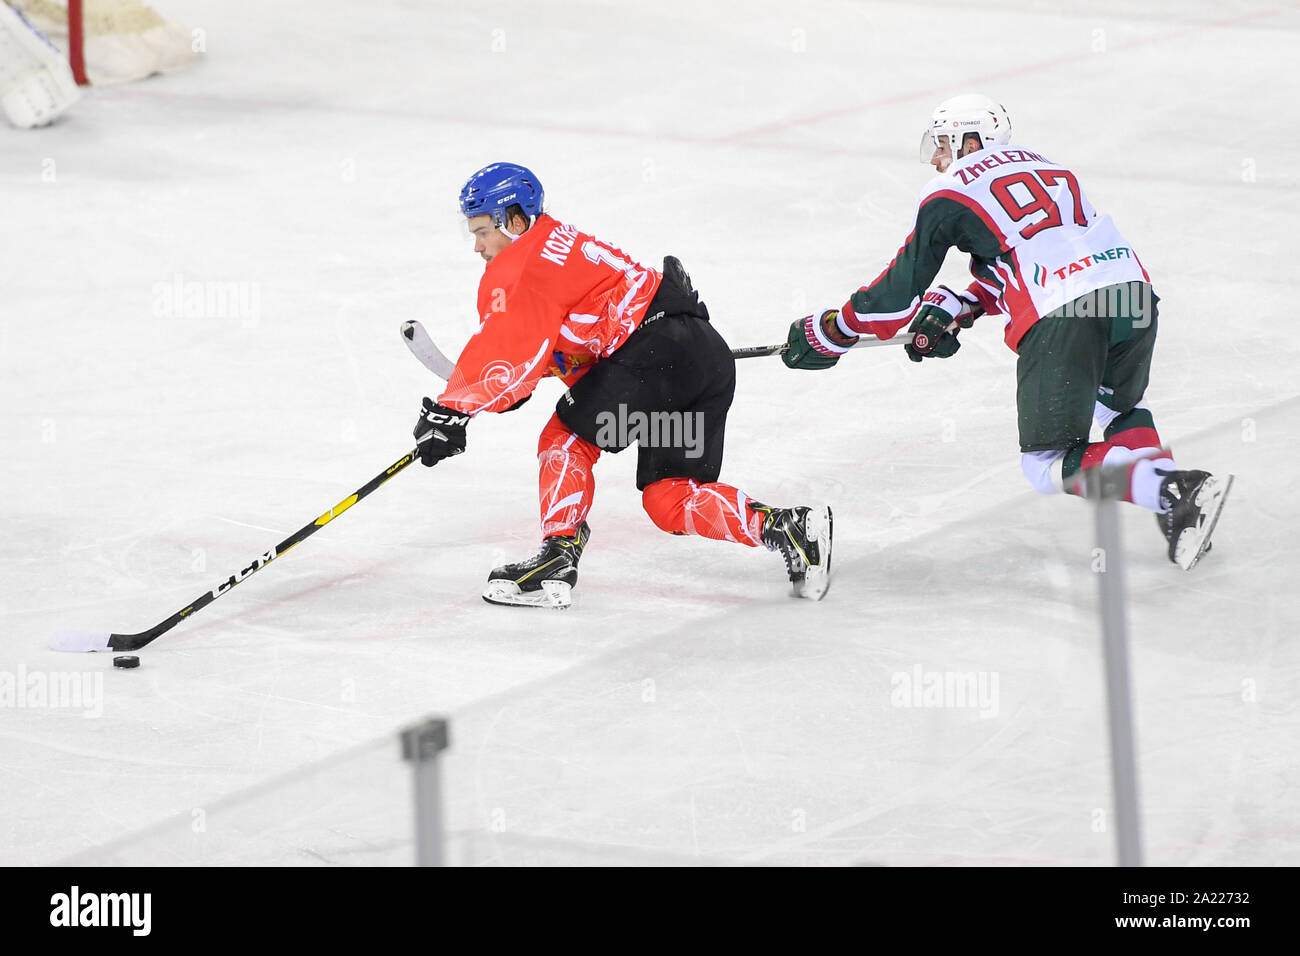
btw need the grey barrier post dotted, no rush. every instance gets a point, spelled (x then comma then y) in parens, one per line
(421, 745)
(1105, 487)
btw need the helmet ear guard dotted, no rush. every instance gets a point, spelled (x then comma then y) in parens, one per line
(933, 139)
(501, 219)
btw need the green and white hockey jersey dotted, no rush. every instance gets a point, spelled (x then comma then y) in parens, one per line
(1034, 239)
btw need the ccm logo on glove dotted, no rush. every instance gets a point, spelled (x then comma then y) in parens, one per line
(440, 432)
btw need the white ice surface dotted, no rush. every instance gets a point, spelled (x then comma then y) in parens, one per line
(686, 709)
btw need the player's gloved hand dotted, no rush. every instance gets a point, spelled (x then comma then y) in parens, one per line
(440, 432)
(934, 329)
(816, 342)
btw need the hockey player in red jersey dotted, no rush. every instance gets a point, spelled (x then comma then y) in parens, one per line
(644, 366)
(1078, 306)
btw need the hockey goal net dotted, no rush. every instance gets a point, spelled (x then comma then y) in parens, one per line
(112, 41)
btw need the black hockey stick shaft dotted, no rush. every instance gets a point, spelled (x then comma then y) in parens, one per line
(864, 342)
(754, 351)
(133, 642)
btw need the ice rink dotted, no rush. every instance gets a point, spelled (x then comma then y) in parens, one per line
(158, 433)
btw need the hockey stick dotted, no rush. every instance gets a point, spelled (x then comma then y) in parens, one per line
(98, 641)
(921, 340)
(755, 351)
(431, 357)
(422, 347)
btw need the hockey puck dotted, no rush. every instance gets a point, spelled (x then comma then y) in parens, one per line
(126, 660)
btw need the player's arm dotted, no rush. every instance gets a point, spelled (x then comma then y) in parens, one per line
(504, 360)
(889, 302)
(496, 372)
(980, 293)
(945, 311)
(942, 314)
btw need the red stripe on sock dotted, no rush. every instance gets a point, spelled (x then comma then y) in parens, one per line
(1094, 454)
(1128, 482)
(1136, 438)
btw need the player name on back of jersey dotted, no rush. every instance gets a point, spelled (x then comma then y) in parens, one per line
(1003, 157)
(559, 244)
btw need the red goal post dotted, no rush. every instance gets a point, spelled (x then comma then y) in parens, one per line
(76, 42)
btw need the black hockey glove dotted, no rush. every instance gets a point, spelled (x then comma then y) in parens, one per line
(934, 330)
(440, 432)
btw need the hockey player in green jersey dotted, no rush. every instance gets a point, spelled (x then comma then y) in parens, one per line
(1078, 306)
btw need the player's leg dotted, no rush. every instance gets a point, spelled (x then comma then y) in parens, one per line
(567, 451)
(679, 478)
(1186, 503)
(1075, 362)
(668, 389)
(566, 481)
(709, 509)
(566, 486)
(1129, 436)
(1059, 358)
(1061, 363)
(801, 535)
(677, 474)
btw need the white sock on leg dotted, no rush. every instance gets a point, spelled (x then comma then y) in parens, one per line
(1144, 484)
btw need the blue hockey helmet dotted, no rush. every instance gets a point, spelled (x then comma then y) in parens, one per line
(494, 189)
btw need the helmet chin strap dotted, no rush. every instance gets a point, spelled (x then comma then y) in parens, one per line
(501, 227)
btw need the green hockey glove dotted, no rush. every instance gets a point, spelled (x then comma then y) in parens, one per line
(816, 342)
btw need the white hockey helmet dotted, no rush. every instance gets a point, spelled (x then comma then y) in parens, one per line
(969, 113)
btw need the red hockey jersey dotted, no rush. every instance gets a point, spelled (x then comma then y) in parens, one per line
(552, 303)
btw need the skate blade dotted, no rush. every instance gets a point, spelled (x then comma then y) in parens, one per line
(555, 595)
(1194, 542)
(817, 579)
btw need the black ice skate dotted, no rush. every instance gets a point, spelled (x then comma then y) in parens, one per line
(1193, 500)
(803, 536)
(544, 580)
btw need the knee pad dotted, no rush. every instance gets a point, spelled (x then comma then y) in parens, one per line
(553, 435)
(1134, 429)
(557, 440)
(665, 500)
